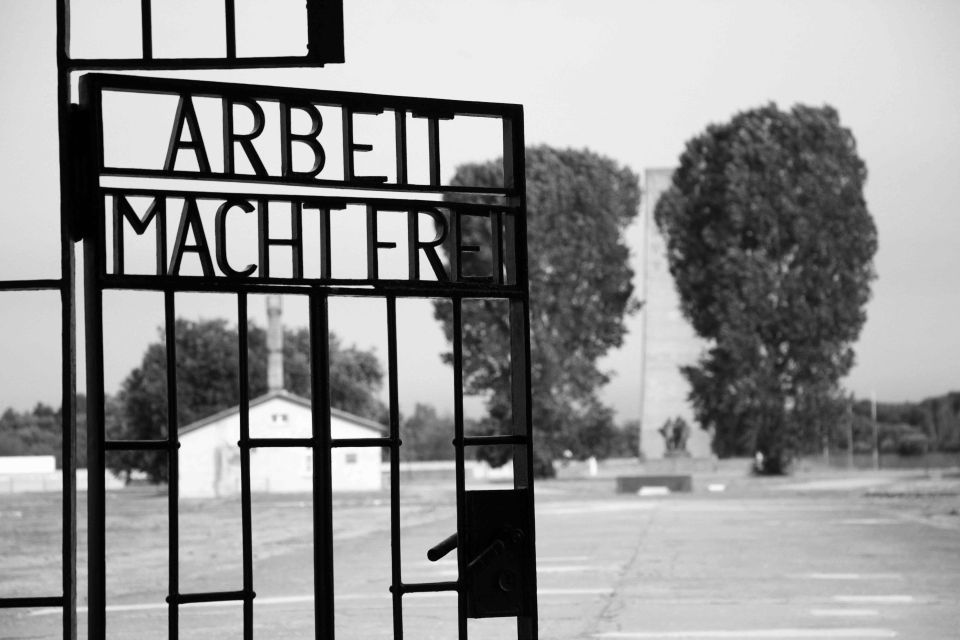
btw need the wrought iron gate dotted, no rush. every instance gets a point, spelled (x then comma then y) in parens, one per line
(495, 529)
(496, 575)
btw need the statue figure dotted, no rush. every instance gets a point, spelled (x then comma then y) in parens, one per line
(675, 432)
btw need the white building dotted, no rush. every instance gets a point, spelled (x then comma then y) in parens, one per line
(210, 455)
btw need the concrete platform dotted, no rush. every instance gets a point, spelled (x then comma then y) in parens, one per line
(677, 483)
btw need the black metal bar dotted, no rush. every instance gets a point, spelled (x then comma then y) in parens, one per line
(428, 587)
(325, 30)
(521, 394)
(361, 442)
(146, 29)
(245, 509)
(212, 596)
(94, 266)
(345, 288)
(396, 579)
(356, 184)
(136, 445)
(30, 285)
(442, 548)
(68, 338)
(96, 467)
(433, 150)
(173, 466)
(312, 201)
(476, 441)
(496, 246)
(230, 26)
(42, 601)
(400, 133)
(270, 93)
(188, 64)
(323, 583)
(257, 443)
(458, 456)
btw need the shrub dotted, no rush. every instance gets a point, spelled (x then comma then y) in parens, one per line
(913, 444)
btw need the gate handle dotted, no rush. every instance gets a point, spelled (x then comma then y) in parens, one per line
(442, 548)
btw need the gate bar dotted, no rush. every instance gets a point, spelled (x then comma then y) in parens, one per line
(146, 28)
(173, 468)
(392, 368)
(457, 303)
(323, 584)
(430, 587)
(230, 24)
(68, 337)
(31, 285)
(245, 515)
(96, 469)
(41, 601)
(212, 596)
(515, 177)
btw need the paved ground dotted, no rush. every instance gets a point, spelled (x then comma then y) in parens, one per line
(834, 557)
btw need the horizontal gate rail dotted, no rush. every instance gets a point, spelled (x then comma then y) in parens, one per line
(211, 596)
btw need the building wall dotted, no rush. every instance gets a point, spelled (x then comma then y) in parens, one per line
(669, 342)
(210, 457)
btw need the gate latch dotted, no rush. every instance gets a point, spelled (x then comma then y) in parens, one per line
(499, 570)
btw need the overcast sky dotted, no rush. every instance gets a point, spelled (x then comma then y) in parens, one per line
(631, 80)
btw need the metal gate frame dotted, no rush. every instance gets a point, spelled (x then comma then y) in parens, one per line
(508, 283)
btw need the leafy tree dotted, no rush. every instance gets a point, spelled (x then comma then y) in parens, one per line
(578, 205)
(39, 431)
(35, 432)
(426, 435)
(771, 245)
(208, 381)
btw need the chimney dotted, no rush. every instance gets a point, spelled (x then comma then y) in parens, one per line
(274, 344)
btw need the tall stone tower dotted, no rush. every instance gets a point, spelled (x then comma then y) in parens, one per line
(274, 343)
(669, 341)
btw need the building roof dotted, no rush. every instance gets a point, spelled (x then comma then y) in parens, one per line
(289, 397)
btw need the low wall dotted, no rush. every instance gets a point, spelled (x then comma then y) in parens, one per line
(49, 482)
(10, 465)
(444, 470)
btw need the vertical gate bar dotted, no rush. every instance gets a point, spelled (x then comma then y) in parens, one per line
(146, 28)
(458, 454)
(173, 466)
(245, 515)
(68, 338)
(400, 135)
(514, 154)
(433, 150)
(325, 30)
(230, 24)
(96, 523)
(322, 495)
(93, 267)
(392, 369)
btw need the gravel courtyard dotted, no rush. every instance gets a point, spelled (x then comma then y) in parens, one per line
(871, 555)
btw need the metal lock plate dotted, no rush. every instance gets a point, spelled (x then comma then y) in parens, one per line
(497, 547)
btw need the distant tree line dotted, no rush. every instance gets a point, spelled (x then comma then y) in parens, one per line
(906, 428)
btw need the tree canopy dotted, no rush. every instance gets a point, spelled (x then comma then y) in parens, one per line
(578, 205)
(208, 381)
(771, 248)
